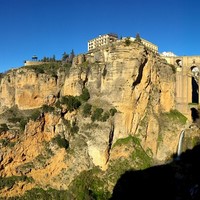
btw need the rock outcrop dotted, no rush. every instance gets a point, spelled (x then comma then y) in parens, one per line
(112, 110)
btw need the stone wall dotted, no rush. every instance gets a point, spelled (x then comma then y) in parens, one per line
(185, 90)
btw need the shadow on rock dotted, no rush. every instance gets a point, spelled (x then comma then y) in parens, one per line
(178, 180)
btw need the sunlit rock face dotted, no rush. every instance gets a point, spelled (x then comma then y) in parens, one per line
(60, 144)
(28, 89)
(138, 83)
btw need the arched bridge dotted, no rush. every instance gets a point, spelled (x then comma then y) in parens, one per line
(187, 82)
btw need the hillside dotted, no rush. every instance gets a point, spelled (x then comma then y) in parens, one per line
(71, 131)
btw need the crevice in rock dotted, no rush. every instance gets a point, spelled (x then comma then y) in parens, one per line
(81, 81)
(139, 77)
(104, 72)
(111, 135)
(86, 77)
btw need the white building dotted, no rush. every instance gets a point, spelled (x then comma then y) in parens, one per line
(168, 54)
(146, 43)
(111, 37)
(102, 40)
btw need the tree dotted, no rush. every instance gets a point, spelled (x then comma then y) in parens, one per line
(72, 55)
(127, 41)
(65, 56)
(137, 38)
(85, 94)
(54, 58)
(87, 110)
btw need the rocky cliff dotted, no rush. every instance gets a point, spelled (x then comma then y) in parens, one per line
(72, 130)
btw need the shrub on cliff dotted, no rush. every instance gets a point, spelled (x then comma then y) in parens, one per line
(35, 115)
(10, 181)
(97, 114)
(71, 102)
(46, 108)
(61, 142)
(127, 41)
(23, 123)
(74, 128)
(113, 111)
(85, 95)
(87, 110)
(137, 38)
(3, 127)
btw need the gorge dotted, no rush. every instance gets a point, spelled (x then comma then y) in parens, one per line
(71, 131)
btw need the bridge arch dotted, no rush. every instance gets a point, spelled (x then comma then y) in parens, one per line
(195, 83)
(179, 62)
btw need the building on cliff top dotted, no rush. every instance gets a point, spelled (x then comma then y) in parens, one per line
(102, 40)
(31, 62)
(146, 43)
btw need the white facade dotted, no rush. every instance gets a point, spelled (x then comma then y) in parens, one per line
(168, 54)
(110, 38)
(101, 40)
(146, 43)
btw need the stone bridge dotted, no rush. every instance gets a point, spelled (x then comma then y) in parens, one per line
(187, 83)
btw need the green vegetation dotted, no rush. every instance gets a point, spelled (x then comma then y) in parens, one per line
(85, 64)
(3, 127)
(88, 185)
(14, 119)
(23, 120)
(137, 38)
(195, 141)
(97, 114)
(85, 95)
(140, 158)
(117, 168)
(47, 68)
(87, 110)
(50, 67)
(61, 142)
(71, 102)
(127, 41)
(41, 159)
(20, 118)
(67, 67)
(74, 128)
(175, 115)
(193, 104)
(113, 111)
(46, 108)
(41, 194)
(123, 141)
(105, 116)
(173, 68)
(49, 59)
(6, 143)
(35, 115)
(58, 104)
(10, 181)
(23, 123)
(26, 167)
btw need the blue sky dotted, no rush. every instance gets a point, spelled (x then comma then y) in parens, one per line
(52, 27)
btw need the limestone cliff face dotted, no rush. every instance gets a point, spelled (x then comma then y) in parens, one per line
(61, 144)
(28, 89)
(136, 82)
